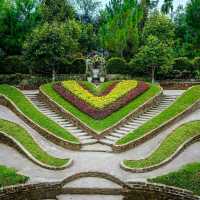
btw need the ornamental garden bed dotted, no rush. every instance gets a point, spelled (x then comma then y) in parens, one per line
(98, 126)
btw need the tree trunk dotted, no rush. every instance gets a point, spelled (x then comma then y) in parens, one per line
(53, 74)
(153, 74)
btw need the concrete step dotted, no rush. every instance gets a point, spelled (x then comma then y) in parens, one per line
(88, 141)
(119, 135)
(108, 142)
(113, 138)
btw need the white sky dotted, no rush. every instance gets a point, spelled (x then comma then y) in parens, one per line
(176, 2)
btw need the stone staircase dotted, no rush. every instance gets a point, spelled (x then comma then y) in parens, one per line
(134, 123)
(84, 137)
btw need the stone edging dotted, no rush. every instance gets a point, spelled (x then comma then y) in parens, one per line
(141, 190)
(98, 135)
(45, 133)
(164, 162)
(156, 131)
(14, 143)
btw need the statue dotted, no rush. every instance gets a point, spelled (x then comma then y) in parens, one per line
(95, 68)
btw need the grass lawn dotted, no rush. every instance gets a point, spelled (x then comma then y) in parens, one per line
(100, 125)
(26, 107)
(97, 90)
(189, 97)
(188, 177)
(9, 176)
(24, 138)
(169, 146)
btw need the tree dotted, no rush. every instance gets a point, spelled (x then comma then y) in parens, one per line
(87, 9)
(167, 7)
(50, 43)
(154, 55)
(17, 19)
(56, 10)
(119, 28)
(160, 26)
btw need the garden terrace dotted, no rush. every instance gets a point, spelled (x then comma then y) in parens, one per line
(98, 107)
(190, 98)
(21, 139)
(9, 176)
(17, 99)
(101, 125)
(179, 139)
(187, 177)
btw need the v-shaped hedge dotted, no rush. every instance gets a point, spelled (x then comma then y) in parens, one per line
(99, 107)
(100, 125)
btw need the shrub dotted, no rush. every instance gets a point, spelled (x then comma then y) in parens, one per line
(196, 63)
(182, 63)
(117, 65)
(135, 68)
(14, 64)
(78, 66)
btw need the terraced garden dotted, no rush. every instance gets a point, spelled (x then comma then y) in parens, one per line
(150, 127)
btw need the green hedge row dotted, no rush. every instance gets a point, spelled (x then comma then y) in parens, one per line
(16, 64)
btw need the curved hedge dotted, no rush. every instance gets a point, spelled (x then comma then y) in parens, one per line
(168, 147)
(23, 137)
(28, 109)
(189, 97)
(100, 125)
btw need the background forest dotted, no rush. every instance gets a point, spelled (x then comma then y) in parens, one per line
(137, 38)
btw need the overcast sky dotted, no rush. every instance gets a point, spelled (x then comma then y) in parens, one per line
(176, 2)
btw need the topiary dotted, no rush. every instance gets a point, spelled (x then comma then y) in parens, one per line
(117, 65)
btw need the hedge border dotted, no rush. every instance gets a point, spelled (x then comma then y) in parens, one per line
(45, 133)
(164, 162)
(12, 142)
(151, 134)
(99, 135)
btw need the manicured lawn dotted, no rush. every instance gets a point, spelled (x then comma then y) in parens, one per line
(9, 176)
(191, 96)
(97, 90)
(100, 125)
(24, 138)
(169, 146)
(26, 107)
(187, 177)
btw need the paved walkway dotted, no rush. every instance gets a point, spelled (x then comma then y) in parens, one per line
(93, 161)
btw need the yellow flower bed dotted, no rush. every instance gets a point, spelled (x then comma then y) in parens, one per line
(100, 102)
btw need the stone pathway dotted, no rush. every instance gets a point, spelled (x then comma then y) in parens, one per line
(134, 123)
(91, 159)
(84, 137)
(89, 197)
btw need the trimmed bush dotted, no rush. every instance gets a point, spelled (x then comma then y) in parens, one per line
(14, 64)
(78, 66)
(117, 65)
(9, 176)
(182, 63)
(196, 63)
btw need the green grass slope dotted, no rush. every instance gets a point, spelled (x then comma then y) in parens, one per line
(100, 125)
(168, 147)
(188, 177)
(9, 176)
(24, 138)
(27, 108)
(189, 97)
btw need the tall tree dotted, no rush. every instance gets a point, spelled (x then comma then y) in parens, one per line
(154, 55)
(87, 9)
(49, 43)
(17, 19)
(119, 29)
(168, 7)
(56, 10)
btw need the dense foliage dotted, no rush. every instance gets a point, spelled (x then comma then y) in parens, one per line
(42, 37)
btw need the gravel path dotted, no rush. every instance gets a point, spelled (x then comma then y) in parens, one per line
(94, 161)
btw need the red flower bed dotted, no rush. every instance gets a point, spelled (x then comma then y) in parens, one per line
(108, 110)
